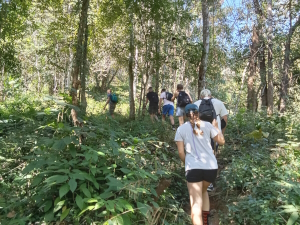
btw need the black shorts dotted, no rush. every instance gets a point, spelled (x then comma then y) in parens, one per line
(153, 109)
(198, 175)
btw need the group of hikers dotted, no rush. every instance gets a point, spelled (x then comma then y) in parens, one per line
(197, 139)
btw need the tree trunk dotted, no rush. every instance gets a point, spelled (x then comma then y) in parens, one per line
(135, 80)
(251, 96)
(205, 50)
(130, 71)
(85, 69)
(286, 64)
(241, 88)
(270, 59)
(78, 56)
(263, 72)
(157, 51)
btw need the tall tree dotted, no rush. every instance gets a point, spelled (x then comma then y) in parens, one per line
(261, 53)
(79, 50)
(130, 70)
(286, 64)
(270, 101)
(251, 96)
(205, 50)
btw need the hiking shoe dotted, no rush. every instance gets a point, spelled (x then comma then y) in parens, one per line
(173, 128)
(210, 188)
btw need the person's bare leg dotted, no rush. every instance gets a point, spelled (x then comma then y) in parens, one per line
(155, 116)
(181, 120)
(151, 116)
(172, 120)
(195, 192)
(163, 118)
(205, 198)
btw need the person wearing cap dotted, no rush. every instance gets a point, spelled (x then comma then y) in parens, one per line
(200, 162)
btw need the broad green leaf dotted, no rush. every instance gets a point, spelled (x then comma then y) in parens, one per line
(110, 205)
(73, 184)
(144, 209)
(72, 150)
(49, 216)
(60, 125)
(58, 206)
(63, 190)
(79, 201)
(87, 208)
(106, 195)
(115, 182)
(289, 209)
(126, 219)
(37, 180)
(126, 171)
(57, 179)
(91, 200)
(293, 218)
(86, 192)
(48, 205)
(64, 214)
(67, 140)
(98, 205)
(59, 145)
(56, 201)
(126, 205)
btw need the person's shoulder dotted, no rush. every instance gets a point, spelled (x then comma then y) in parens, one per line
(197, 102)
(215, 100)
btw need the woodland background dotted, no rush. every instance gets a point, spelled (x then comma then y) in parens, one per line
(63, 160)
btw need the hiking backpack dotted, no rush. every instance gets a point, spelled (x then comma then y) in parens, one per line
(207, 111)
(114, 98)
(153, 98)
(169, 96)
(183, 99)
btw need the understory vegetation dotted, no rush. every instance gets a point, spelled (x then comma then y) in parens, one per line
(108, 171)
(260, 178)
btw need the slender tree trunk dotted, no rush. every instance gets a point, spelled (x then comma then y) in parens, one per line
(270, 59)
(205, 51)
(78, 56)
(85, 69)
(130, 71)
(241, 88)
(2, 82)
(251, 96)
(157, 51)
(135, 80)
(263, 72)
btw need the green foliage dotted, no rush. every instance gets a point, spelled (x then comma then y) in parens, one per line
(262, 176)
(110, 177)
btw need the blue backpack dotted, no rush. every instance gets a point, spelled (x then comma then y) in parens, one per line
(114, 98)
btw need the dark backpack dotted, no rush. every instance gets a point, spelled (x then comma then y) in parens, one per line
(169, 96)
(207, 111)
(114, 98)
(153, 97)
(183, 99)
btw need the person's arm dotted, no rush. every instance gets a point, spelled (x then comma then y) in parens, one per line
(219, 138)
(174, 96)
(180, 146)
(108, 99)
(146, 101)
(190, 97)
(225, 119)
(159, 104)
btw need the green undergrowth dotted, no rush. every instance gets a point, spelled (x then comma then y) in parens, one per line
(104, 172)
(260, 178)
